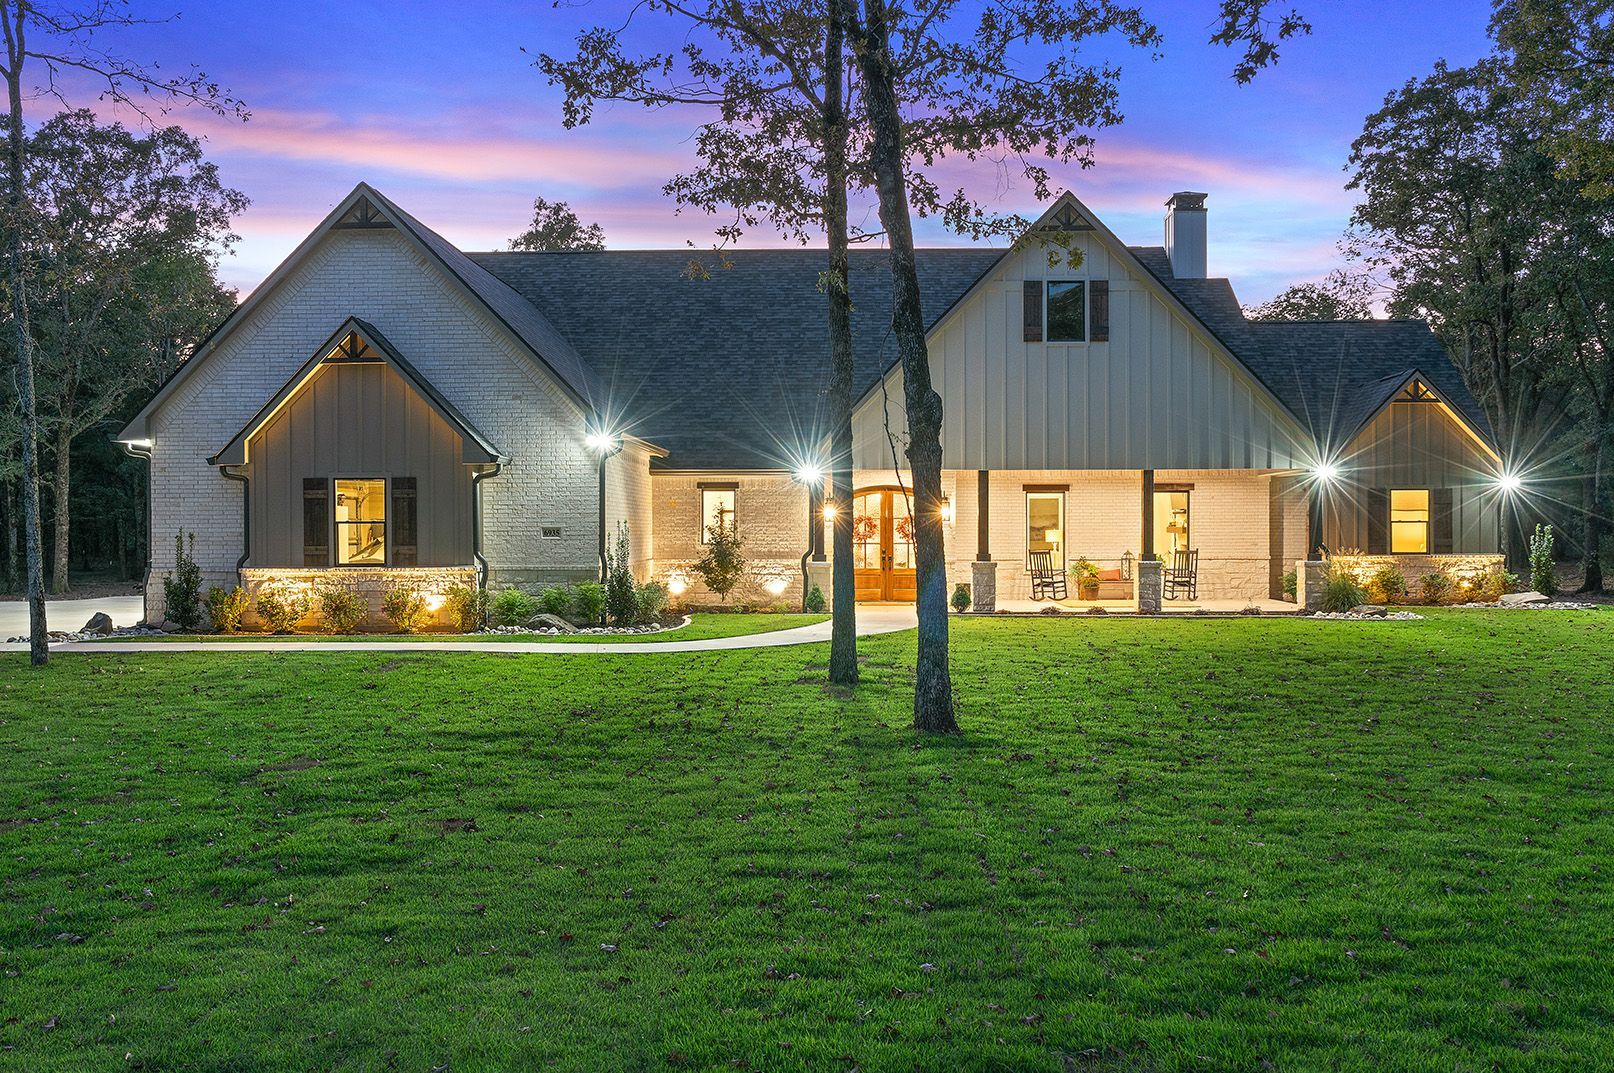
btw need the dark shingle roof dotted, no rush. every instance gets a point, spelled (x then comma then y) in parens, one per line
(729, 372)
(528, 324)
(726, 372)
(1333, 375)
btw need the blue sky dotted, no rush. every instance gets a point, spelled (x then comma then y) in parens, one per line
(436, 105)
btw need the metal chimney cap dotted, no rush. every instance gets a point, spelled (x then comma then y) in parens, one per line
(1187, 201)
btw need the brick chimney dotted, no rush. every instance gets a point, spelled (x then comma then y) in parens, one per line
(1185, 234)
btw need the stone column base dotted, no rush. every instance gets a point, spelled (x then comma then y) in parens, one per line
(1310, 577)
(1149, 576)
(823, 575)
(984, 587)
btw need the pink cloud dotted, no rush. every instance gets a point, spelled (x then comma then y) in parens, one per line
(439, 150)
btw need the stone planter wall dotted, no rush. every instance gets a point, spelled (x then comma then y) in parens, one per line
(370, 582)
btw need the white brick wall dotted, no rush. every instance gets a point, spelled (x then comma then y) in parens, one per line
(771, 513)
(376, 275)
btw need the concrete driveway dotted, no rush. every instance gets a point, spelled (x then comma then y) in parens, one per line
(69, 615)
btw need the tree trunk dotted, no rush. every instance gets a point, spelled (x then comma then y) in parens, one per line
(59, 523)
(1591, 517)
(843, 586)
(38, 649)
(933, 688)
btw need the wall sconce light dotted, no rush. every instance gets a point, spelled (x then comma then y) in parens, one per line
(947, 512)
(830, 511)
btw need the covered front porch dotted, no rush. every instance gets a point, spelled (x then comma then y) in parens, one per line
(1216, 540)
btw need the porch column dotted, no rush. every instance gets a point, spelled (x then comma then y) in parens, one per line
(1148, 517)
(815, 520)
(983, 495)
(983, 571)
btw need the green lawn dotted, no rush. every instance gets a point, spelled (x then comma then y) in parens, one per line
(1159, 845)
(702, 627)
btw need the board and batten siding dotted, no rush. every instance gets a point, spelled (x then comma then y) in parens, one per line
(358, 420)
(1160, 394)
(1417, 445)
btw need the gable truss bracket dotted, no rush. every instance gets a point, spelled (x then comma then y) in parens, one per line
(363, 214)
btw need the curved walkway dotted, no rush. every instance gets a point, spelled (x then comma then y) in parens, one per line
(870, 621)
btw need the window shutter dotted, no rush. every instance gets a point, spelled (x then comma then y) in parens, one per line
(1378, 521)
(1098, 297)
(405, 504)
(1440, 521)
(1031, 309)
(316, 522)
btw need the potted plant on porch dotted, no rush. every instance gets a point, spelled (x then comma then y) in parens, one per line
(1085, 574)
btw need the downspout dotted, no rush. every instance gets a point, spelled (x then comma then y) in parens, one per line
(246, 519)
(143, 450)
(476, 522)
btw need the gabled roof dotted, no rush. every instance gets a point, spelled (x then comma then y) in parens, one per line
(726, 372)
(359, 341)
(1334, 375)
(366, 208)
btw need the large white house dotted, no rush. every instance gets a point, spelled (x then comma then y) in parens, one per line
(385, 405)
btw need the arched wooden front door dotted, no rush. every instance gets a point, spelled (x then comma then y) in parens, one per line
(882, 545)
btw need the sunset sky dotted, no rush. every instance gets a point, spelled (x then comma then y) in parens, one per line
(436, 105)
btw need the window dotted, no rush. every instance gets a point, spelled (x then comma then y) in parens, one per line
(1067, 312)
(717, 508)
(1409, 520)
(361, 522)
(1170, 522)
(1045, 525)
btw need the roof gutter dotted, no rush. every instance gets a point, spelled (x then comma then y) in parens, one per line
(246, 519)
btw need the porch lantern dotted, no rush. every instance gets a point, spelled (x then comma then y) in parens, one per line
(1127, 561)
(947, 512)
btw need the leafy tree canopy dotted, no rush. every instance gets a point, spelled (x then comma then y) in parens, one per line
(556, 227)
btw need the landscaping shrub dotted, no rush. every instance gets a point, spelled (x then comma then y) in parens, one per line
(1387, 585)
(283, 606)
(651, 599)
(1341, 592)
(1437, 587)
(1291, 585)
(182, 589)
(590, 603)
(557, 600)
(467, 607)
(512, 607)
(814, 603)
(341, 608)
(405, 605)
(961, 598)
(226, 608)
(721, 566)
(1542, 577)
(1489, 586)
(621, 593)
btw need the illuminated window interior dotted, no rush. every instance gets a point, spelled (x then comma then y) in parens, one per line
(361, 522)
(1409, 520)
(1171, 532)
(1045, 525)
(717, 508)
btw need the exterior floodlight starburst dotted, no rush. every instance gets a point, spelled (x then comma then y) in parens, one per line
(809, 473)
(1509, 483)
(601, 441)
(1327, 472)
